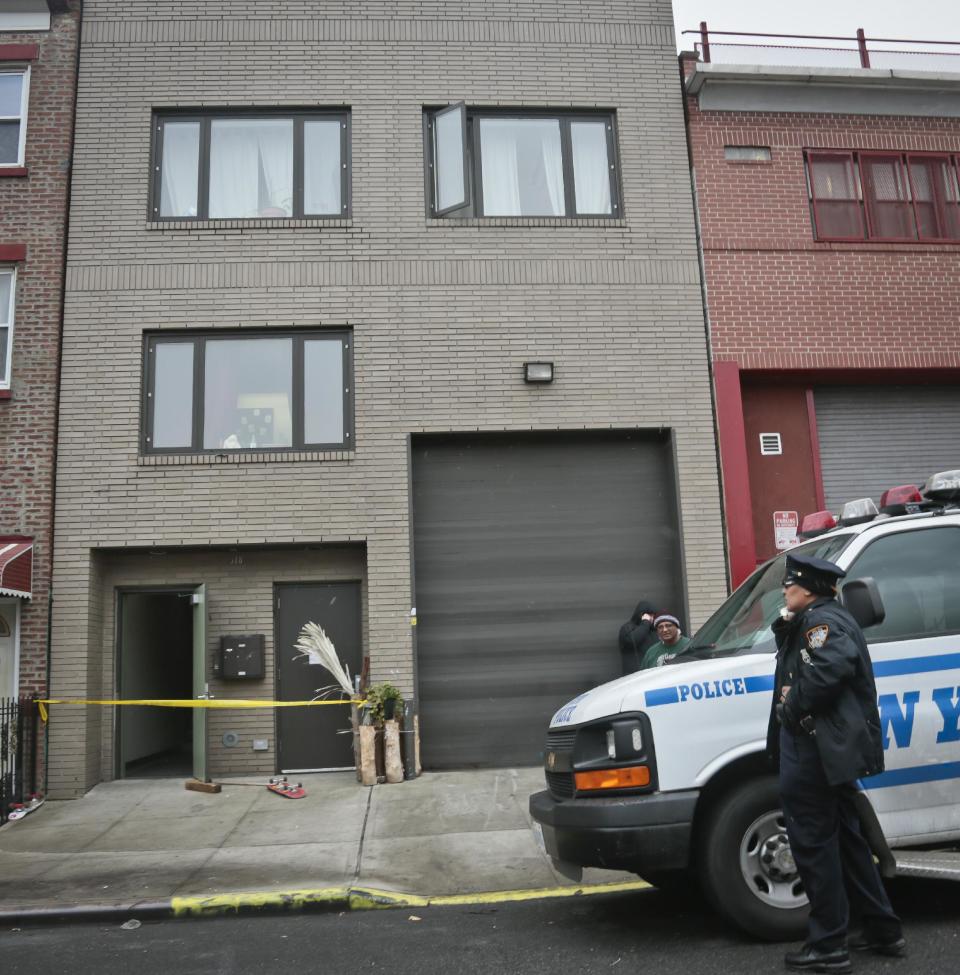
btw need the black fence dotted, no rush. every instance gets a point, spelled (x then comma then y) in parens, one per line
(19, 751)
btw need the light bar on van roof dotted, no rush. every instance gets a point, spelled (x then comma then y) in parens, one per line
(857, 512)
(901, 500)
(816, 524)
(944, 486)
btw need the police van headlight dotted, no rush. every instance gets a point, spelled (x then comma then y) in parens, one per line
(614, 754)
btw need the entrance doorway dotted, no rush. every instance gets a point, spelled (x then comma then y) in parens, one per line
(307, 738)
(155, 657)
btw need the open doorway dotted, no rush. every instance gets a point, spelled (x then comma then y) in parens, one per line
(155, 660)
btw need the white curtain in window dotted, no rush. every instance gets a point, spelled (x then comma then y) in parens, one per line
(522, 166)
(251, 167)
(178, 183)
(591, 167)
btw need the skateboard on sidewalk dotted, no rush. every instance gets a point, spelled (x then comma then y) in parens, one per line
(286, 789)
(20, 809)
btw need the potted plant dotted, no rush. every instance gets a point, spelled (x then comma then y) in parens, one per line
(382, 700)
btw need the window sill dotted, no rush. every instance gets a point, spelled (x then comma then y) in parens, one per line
(526, 222)
(254, 223)
(13, 171)
(271, 457)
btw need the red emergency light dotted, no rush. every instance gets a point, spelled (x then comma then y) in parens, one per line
(816, 524)
(900, 500)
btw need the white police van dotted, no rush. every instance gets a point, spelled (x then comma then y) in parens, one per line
(663, 772)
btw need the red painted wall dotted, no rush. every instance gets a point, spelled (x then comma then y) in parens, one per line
(778, 483)
(787, 309)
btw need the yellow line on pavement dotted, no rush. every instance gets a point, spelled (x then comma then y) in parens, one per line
(367, 898)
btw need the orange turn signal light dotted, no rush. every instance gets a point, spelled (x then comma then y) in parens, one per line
(613, 778)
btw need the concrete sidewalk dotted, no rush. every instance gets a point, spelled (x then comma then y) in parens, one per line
(141, 840)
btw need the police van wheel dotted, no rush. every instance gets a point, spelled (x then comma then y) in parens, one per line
(747, 870)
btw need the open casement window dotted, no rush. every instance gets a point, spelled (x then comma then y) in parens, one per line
(837, 212)
(14, 91)
(885, 193)
(8, 278)
(448, 143)
(523, 163)
(225, 392)
(933, 185)
(229, 166)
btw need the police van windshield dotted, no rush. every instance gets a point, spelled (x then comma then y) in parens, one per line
(743, 623)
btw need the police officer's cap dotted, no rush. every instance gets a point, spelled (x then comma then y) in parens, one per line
(815, 575)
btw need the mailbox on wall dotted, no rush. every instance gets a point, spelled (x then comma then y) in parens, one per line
(241, 657)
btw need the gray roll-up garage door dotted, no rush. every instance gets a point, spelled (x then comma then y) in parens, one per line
(873, 437)
(529, 553)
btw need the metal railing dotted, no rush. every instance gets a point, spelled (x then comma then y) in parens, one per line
(19, 750)
(783, 50)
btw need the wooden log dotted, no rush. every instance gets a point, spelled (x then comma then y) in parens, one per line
(368, 768)
(416, 742)
(391, 751)
(355, 726)
(195, 785)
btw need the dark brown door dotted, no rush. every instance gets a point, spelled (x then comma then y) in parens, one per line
(307, 738)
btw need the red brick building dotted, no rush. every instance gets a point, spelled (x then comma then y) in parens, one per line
(38, 65)
(829, 218)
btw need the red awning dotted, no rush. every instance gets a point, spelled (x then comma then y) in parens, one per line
(16, 566)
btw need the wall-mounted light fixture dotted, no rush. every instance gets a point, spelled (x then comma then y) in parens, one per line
(538, 372)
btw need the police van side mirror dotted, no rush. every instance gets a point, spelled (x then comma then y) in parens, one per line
(861, 597)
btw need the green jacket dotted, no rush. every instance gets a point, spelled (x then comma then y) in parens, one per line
(652, 658)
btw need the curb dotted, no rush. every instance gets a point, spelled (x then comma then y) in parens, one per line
(315, 900)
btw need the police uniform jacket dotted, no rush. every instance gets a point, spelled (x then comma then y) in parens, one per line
(822, 655)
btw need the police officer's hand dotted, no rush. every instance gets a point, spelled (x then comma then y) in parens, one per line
(787, 718)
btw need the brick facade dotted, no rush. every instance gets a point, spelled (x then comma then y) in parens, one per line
(443, 312)
(785, 307)
(33, 214)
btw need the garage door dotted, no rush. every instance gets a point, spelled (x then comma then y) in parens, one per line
(872, 438)
(529, 553)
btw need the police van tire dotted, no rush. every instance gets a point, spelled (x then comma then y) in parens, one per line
(743, 817)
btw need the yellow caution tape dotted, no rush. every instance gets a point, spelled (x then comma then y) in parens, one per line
(219, 703)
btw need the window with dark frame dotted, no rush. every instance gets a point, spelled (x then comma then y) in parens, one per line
(8, 283)
(14, 93)
(518, 163)
(226, 391)
(222, 165)
(884, 196)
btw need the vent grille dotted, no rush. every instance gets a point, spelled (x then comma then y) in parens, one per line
(560, 784)
(770, 444)
(561, 741)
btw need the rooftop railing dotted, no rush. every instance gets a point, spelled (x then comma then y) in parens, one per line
(792, 50)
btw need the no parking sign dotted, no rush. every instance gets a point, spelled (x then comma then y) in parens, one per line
(785, 525)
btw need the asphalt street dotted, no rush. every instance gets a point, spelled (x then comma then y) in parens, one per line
(645, 931)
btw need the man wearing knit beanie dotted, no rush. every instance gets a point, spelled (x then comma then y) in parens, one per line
(672, 642)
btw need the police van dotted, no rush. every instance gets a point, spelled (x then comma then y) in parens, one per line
(663, 773)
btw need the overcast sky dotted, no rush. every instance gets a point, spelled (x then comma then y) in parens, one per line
(919, 19)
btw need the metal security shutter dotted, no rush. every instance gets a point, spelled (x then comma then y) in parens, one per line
(872, 438)
(529, 553)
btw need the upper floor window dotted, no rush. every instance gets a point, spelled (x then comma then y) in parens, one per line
(26, 15)
(14, 88)
(7, 287)
(522, 163)
(224, 391)
(219, 166)
(884, 195)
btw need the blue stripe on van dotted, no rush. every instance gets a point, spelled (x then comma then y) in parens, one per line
(755, 684)
(916, 665)
(663, 695)
(913, 775)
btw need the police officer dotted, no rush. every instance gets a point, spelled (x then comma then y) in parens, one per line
(825, 726)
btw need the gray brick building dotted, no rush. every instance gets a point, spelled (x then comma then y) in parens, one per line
(301, 291)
